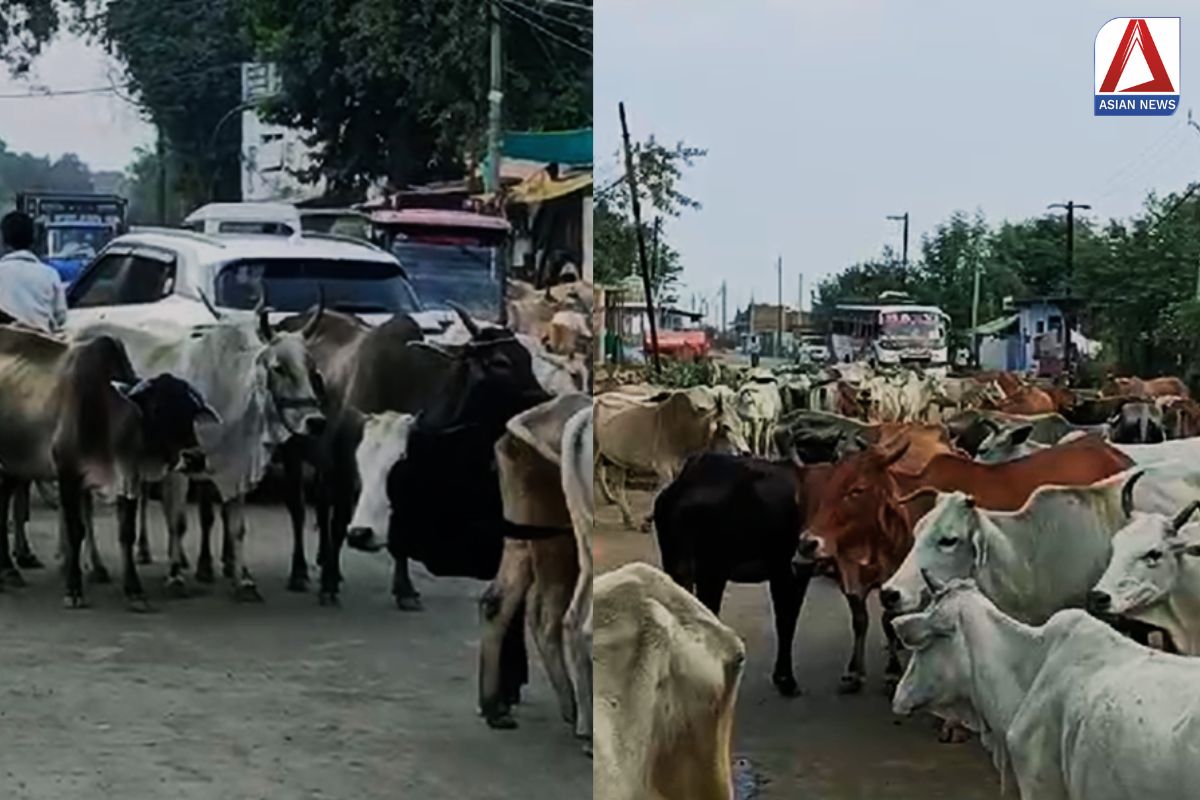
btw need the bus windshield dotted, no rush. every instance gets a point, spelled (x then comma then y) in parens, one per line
(443, 273)
(910, 325)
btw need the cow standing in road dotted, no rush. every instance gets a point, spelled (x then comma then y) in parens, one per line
(79, 414)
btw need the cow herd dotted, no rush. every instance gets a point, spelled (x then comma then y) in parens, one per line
(468, 451)
(1032, 547)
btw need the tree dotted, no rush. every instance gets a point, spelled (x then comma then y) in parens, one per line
(20, 172)
(660, 171)
(398, 88)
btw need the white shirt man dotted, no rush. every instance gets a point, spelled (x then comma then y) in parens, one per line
(30, 292)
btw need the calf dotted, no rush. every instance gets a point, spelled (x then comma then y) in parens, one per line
(667, 675)
(1071, 709)
(736, 518)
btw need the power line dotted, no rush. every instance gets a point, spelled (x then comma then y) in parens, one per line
(114, 86)
(536, 26)
(567, 4)
(535, 7)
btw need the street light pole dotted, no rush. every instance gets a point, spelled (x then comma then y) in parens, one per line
(1070, 207)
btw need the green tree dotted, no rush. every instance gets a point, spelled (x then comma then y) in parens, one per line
(660, 172)
(398, 88)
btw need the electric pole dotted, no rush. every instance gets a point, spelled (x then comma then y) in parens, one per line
(724, 300)
(779, 337)
(636, 207)
(161, 154)
(975, 318)
(495, 101)
(1070, 206)
(904, 247)
(654, 255)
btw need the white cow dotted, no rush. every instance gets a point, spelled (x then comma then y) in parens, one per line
(759, 405)
(578, 488)
(258, 382)
(1041, 558)
(667, 675)
(1154, 577)
(1072, 710)
(1184, 450)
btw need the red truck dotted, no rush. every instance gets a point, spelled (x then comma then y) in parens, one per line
(690, 345)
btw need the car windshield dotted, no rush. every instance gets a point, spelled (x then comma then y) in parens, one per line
(82, 242)
(295, 284)
(910, 325)
(464, 274)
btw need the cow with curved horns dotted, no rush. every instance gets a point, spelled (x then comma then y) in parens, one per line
(259, 381)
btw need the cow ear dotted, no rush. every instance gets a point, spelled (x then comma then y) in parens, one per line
(1021, 434)
(208, 414)
(1192, 549)
(122, 388)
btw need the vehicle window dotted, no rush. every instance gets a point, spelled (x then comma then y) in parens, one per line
(270, 228)
(123, 279)
(294, 285)
(463, 274)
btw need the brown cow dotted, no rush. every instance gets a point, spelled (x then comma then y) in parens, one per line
(1181, 416)
(863, 524)
(1026, 401)
(1137, 387)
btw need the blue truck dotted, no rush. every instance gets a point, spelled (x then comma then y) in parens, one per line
(71, 227)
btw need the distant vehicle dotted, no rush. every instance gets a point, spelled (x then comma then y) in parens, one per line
(70, 228)
(815, 352)
(340, 221)
(450, 256)
(160, 273)
(269, 219)
(890, 334)
(689, 345)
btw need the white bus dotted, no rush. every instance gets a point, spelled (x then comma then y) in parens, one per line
(890, 334)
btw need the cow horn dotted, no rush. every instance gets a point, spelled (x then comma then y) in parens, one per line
(260, 311)
(1127, 492)
(208, 304)
(988, 422)
(1183, 516)
(467, 322)
(861, 441)
(310, 327)
(795, 456)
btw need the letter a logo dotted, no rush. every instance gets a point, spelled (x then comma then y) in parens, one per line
(1137, 67)
(1137, 33)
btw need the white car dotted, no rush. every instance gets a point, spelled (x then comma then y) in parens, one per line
(159, 274)
(274, 219)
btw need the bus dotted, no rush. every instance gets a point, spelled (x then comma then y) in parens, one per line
(904, 334)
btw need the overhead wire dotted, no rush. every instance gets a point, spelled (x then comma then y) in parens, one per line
(536, 7)
(512, 9)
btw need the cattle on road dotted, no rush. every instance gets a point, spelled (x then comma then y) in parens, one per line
(759, 406)
(667, 676)
(1072, 709)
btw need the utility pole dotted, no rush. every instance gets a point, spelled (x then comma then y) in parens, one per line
(636, 206)
(1070, 206)
(975, 317)
(1192, 123)
(160, 150)
(724, 300)
(495, 101)
(904, 247)
(800, 294)
(654, 252)
(779, 336)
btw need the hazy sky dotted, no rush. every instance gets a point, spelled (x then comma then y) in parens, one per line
(821, 118)
(102, 129)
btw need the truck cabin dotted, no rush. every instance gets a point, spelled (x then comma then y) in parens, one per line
(450, 256)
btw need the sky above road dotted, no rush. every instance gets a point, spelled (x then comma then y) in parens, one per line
(101, 129)
(822, 118)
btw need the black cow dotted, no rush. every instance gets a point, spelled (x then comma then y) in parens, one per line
(1137, 422)
(735, 518)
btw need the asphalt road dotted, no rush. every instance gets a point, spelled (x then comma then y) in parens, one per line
(210, 699)
(820, 746)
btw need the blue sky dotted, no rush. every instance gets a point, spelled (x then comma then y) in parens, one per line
(821, 118)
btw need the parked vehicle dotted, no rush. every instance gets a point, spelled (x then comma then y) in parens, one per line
(160, 273)
(450, 256)
(341, 221)
(272, 219)
(691, 345)
(70, 228)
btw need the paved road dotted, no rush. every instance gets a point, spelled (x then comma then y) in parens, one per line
(820, 746)
(210, 700)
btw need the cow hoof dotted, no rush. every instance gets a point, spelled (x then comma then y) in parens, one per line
(227, 569)
(361, 540)
(10, 577)
(647, 526)
(953, 733)
(587, 749)
(247, 593)
(204, 572)
(850, 684)
(138, 604)
(29, 561)
(297, 583)
(328, 599)
(512, 697)
(501, 721)
(890, 682)
(99, 576)
(786, 685)
(176, 587)
(74, 602)
(143, 557)
(409, 602)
